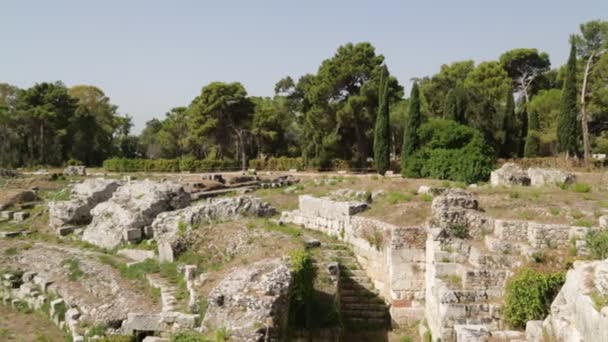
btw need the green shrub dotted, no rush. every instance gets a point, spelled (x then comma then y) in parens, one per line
(459, 231)
(581, 187)
(528, 296)
(302, 293)
(187, 163)
(597, 243)
(189, 337)
(451, 151)
(395, 197)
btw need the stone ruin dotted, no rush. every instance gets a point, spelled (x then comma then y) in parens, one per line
(83, 198)
(452, 270)
(130, 210)
(170, 229)
(511, 174)
(75, 170)
(8, 173)
(251, 302)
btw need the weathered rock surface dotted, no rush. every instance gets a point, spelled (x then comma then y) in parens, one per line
(84, 197)
(540, 177)
(132, 208)
(509, 174)
(169, 229)
(75, 170)
(15, 196)
(575, 315)
(251, 302)
(351, 195)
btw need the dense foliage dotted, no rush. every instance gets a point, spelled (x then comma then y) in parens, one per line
(350, 110)
(597, 243)
(450, 151)
(528, 296)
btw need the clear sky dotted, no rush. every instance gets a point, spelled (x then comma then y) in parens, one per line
(149, 56)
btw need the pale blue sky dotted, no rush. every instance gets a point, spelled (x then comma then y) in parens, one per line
(149, 56)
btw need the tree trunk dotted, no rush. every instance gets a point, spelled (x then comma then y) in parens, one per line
(584, 119)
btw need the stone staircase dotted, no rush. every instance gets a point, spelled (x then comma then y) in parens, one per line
(360, 305)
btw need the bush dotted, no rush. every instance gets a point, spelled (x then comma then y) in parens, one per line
(189, 337)
(597, 243)
(302, 293)
(169, 165)
(451, 151)
(529, 295)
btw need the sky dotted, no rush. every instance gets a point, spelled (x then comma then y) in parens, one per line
(150, 56)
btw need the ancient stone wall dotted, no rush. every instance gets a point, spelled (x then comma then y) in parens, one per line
(392, 256)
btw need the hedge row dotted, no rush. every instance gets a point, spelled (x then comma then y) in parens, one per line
(168, 165)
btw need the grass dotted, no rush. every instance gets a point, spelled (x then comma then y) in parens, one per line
(395, 197)
(375, 237)
(426, 197)
(581, 187)
(554, 211)
(453, 280)
(10, 251)
(583, 223)
(275, 227)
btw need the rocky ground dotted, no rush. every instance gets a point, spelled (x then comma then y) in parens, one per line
(157, 257)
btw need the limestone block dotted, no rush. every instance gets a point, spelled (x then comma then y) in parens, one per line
(534, 331)
(20, 216)
(6, 214)
(142, 322)
(136, 254)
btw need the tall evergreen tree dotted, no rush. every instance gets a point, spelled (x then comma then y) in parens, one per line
(567, 126)
(455, 104)
(532, 148)
(410, 132)
(382, 137)
(511, 139)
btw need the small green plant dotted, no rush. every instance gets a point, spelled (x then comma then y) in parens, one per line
(10, 251)
(221, 334)
(73, 266)
(554, 211)
(189, 337)
(563, 185)
(182, 227)
(459, 231)
(599, 300)
(583, 223)
(581, 187)
(374, 177)
(529, 294)
(375, 237)
(454, 280)
(597, 243)
(406, 339)
(527, 214)
(538, 257)
(514, 194)
(576, 214)
(426, 197)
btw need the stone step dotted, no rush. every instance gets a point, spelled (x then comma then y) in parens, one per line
(361, 299)
(352, 285)
(365, 306)
(365, 323)
(363, 314)
(359, 292)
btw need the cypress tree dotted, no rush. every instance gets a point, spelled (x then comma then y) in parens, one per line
(511, 140)
(450, 111)
(382, 129)
(567, 126)
(410, 131)
(532, 148)
(455, 104)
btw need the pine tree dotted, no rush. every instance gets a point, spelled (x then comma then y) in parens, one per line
(567, 126)
(410, 134)
(511, 139)
(382, 129)
(532, 148)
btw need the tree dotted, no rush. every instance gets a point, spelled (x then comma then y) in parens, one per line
(410, 132)
(511, 141)
(340, 103)
(568, 126)
(382, 139)
(434, 90)
(545, 105)
(592, 44)
(220, 117)
(455, 104)
(486, 87)
(532, 147)
(524, 66)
